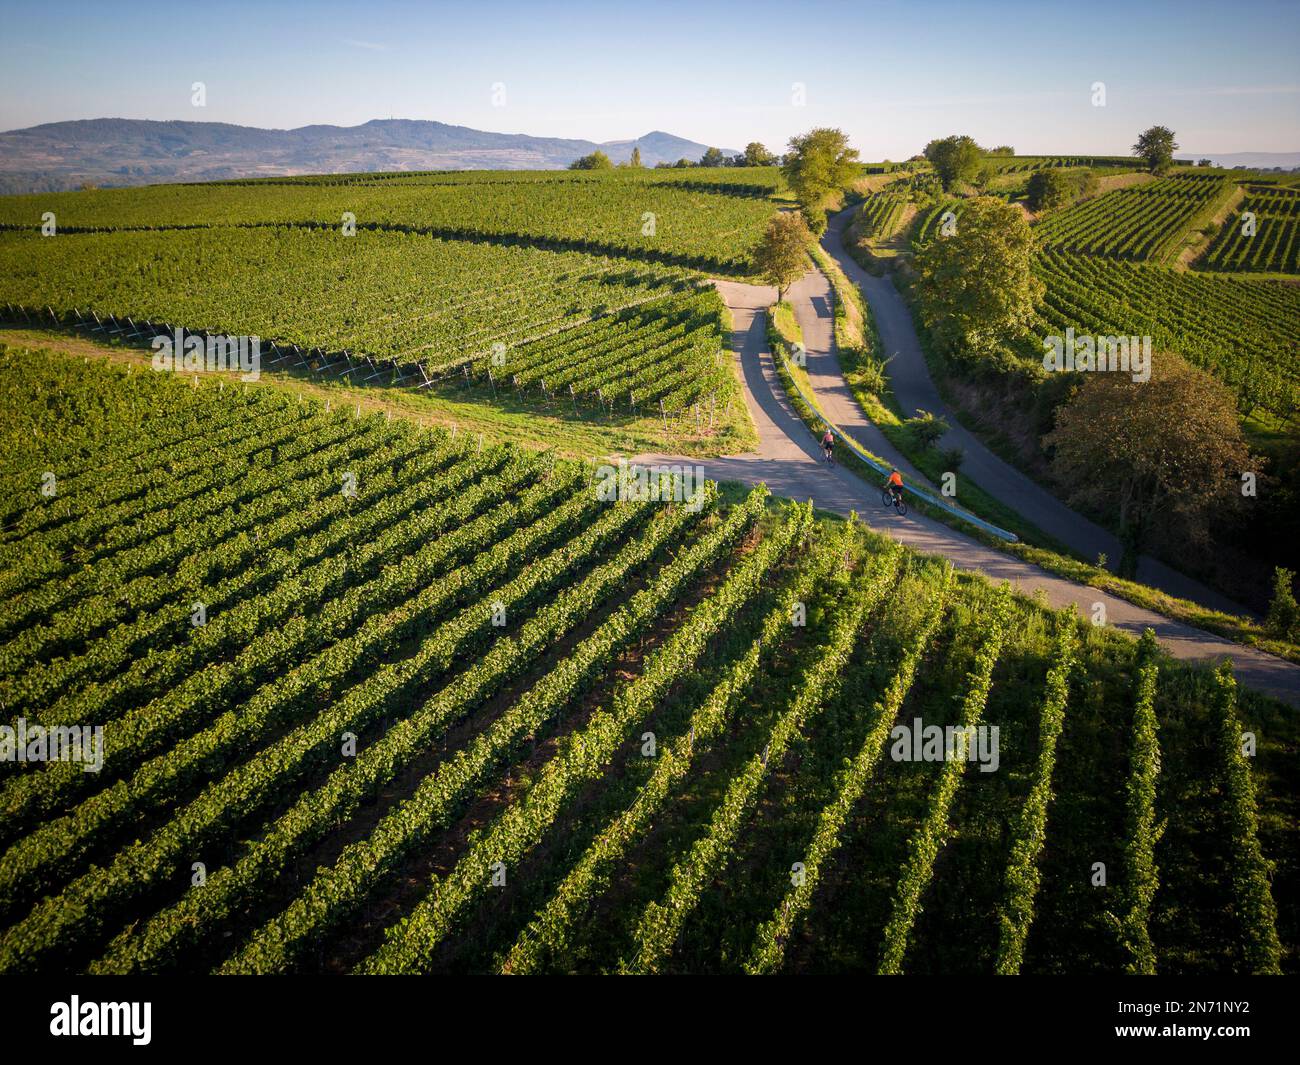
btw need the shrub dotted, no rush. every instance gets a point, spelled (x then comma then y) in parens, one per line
(1283, 620)
(951, 457)
(926, 429)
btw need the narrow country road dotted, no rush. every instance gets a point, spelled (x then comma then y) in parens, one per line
(789, 461)
(915, 390)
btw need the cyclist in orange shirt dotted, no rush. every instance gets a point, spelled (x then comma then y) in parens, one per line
(895, 484)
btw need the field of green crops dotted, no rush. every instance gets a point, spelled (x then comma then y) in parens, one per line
(1145, 222)
(1245, 332)
(562, 288)
(643, 216)
(1027, 164)
(1262, 234)
(380, 699)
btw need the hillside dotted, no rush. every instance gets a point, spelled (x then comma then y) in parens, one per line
(471, 716)
(121, 151)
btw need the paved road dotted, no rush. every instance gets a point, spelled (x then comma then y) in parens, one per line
(915, 390)
(789, 461)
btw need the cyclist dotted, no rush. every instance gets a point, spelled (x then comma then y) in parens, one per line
(828, 445)
(895, 485)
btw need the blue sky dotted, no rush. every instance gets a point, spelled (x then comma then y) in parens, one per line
(892, 73)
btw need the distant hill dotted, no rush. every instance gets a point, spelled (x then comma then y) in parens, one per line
(125, 151)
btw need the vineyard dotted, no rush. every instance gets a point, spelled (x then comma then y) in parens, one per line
(381, 699)
(1271, 243)
(1245, 332)
(1146, 222)
(574, 293)
(670, 222)
(1027, 164)
(882, 215)
(932, 220)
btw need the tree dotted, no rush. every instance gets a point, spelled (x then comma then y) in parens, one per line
(819, 167)
(1002, 149)
(1283, 618)
(1205, 162)
(682, 163)
(635, 161)
(597, 160)
(1156, 146)
(955, 159)
(926, 429)
(976, 290)
(1048, 188)
(757, 155)
(782, 255)
(1160, 458)
(713, 157)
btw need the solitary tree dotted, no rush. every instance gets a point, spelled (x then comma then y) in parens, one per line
(713, 157)
(955, 159)
(597, 160)
(1156, 146)
(975, 286)
(819, 167)
(1160, 458)
(782, 255)
(1283, 618)
(757, 155)
(635, 161)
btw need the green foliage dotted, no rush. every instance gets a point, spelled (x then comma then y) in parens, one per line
(926, 429)
(1156, 146)
(713, 157)
(934, 831)
(597, 160)
(757, 155)
(1023, 873)
(547, 934)
(976, 287)
(586, 755)
(1283, 620)
(782, 255)
(1141, 875)
(1271, 242)
(819, 166)
(956, 160)
(704, 218)
(818, 682)
(769, 944)
(1050, 188)
(1171, 446)
(1252, 895)
(1243, 331)
(1146, 222)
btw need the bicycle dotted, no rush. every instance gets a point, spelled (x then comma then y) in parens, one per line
(894, 499)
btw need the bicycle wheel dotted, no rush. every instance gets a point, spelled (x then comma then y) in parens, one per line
(901, 507)
(886, 498)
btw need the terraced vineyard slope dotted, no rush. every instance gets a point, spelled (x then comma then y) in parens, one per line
(376, 699)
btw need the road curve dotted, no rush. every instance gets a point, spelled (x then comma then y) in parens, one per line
(909, 377)
(789, 461)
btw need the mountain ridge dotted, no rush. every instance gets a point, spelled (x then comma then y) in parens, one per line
(130, 151)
